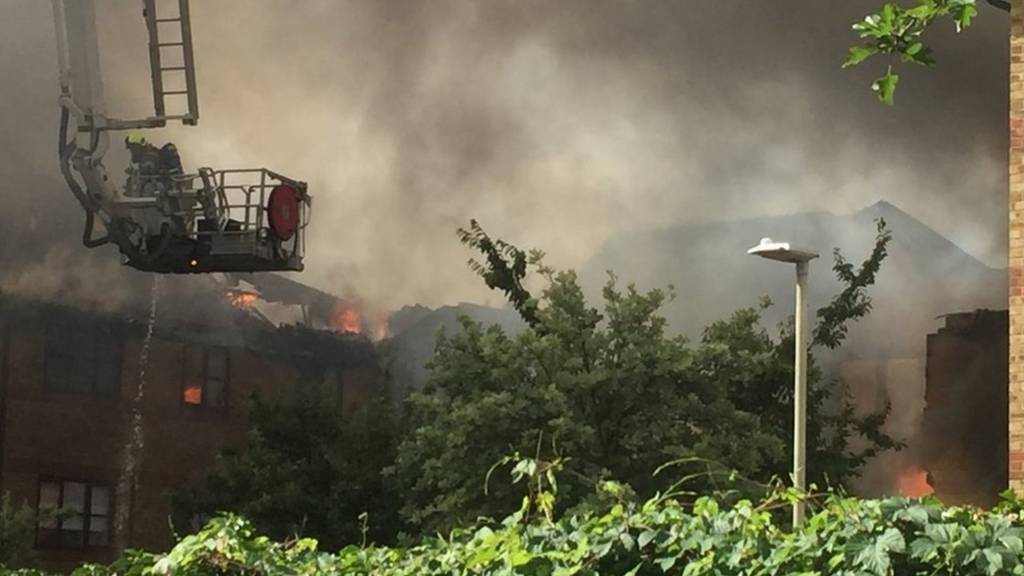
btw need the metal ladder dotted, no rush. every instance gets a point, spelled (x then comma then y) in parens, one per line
(190, 115)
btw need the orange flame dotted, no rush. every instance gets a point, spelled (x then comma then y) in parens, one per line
(243, 299)
(913, 483)
(351, 317)
(193, 394)
(348, 320)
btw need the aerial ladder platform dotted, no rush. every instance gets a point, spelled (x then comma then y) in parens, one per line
(162, 217)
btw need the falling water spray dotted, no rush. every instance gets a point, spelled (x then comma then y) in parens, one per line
(127, 483)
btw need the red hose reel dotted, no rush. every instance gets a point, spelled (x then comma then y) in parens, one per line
(283, 211)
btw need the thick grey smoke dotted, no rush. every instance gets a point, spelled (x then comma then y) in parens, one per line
(557, 124)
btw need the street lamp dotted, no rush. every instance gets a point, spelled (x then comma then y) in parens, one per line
(783, 252)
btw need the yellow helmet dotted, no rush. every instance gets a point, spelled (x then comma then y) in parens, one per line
(135, 138)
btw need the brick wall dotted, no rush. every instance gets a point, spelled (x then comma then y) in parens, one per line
(80, 437)
(1016, 263)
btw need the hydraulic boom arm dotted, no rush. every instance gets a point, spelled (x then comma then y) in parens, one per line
(162, 218)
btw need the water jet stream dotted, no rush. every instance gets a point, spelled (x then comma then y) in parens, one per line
(129, 478)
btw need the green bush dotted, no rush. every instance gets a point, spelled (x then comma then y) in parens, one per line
(845, 536)
(17, 531)
(306, 470)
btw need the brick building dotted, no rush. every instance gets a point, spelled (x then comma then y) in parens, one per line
(67, 384)
(1016, 256)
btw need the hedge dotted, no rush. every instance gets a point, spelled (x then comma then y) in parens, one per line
(844, 536)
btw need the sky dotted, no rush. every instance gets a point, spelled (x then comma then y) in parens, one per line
(558, 125)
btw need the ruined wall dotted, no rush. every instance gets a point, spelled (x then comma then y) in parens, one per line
(963, 440)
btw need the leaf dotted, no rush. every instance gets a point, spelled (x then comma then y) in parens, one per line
(923, 549)
(886, 18)
(916, 514)
(891, 540)
(520, 557)
(924, 57)
(993, 561)
(966, 17)
(1013, 543)
(634, 570)
(666, 563)
(886, 87)
(944, 534)
(873, 555)
(859, 54)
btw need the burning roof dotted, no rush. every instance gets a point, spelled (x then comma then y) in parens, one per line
(283, 301)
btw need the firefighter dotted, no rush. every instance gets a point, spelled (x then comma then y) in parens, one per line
(144, 155)
(170, 161)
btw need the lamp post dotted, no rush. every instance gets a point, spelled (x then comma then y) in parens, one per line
(783, 252)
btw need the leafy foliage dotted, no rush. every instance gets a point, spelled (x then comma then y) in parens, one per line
(17, 532)
(852, 302)
(898, 33)
(612, 395)
(844, 536)
(306, 470)
(604, 393)
(505, 268)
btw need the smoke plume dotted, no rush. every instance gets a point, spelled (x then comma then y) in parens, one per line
(557, 124)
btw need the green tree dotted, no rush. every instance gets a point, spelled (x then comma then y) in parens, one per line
(17, 532)
(617, 396)
(305, 471)
(897, 33)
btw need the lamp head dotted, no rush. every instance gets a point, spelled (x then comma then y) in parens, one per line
(781, 251)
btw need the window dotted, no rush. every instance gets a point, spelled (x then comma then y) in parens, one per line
(206, 377)
(82, 358)
(73, 514)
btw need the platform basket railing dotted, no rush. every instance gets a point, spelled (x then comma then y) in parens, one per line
(241, 197)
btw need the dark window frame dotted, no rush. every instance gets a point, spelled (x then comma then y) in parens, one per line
(204, 403)
(86, 514)
(74, 330)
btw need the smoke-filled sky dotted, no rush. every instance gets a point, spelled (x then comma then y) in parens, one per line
(557, 124)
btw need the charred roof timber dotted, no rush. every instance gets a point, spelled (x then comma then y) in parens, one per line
(309, 349)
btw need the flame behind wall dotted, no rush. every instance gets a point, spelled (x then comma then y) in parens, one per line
(347, 319)
(353, 318)
(243, 299)
(913, 483)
